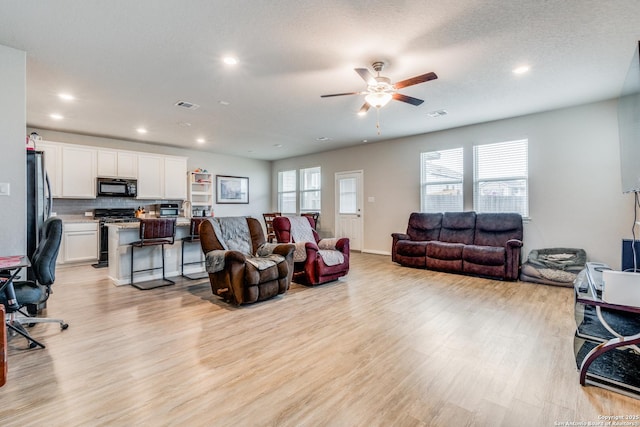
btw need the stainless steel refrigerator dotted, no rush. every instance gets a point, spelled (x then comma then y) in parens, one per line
(39, 201)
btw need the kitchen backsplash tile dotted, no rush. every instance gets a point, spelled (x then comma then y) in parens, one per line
(80, 206)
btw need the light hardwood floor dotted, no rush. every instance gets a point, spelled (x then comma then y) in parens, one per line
(384, 346)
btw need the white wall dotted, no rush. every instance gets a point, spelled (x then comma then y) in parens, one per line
(258, 171)
(574, 171)
(574, 179)
(13, 160)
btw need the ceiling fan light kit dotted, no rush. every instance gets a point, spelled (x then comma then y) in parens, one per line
(378, 99)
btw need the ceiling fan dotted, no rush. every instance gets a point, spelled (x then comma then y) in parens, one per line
(380, 90)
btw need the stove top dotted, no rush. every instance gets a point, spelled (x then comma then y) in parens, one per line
(106, 216)
(112, 220)
(115, 215)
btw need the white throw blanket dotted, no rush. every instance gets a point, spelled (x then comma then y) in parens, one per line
(233, 234)
(302, 233)
(301, 229)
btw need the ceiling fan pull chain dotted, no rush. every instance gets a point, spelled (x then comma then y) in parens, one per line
(378, 121)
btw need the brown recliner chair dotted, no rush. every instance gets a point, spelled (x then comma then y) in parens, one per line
(242, 267)
(314, 260)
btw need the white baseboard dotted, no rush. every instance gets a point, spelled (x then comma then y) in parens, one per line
(375, 252)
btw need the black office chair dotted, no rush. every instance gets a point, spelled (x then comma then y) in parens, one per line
(31, 295)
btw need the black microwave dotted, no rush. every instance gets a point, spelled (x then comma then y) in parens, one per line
(114, 187)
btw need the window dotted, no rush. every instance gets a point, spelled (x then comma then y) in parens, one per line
(348, 196)
(287, 192)
(310, 186)
(441, 180)
(501, 177)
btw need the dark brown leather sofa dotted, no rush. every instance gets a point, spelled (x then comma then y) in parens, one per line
(482, 244)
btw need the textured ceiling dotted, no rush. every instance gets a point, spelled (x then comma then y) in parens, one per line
(129, 62)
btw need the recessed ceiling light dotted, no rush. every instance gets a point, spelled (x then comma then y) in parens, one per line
(201, 140)
(141, 130)
(230, 60)
(277, 145)
(66, 96)
(521, 70)
(224, 102)
(184, 124)
(56, 116)
(323, 138)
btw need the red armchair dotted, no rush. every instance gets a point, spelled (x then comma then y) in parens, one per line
(316, 260)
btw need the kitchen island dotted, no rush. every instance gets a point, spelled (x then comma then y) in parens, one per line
(122, 234)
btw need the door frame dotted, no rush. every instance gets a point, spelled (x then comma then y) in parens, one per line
(360, 190)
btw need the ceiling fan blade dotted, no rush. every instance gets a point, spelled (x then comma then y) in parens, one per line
(365, 107)
(408, 99)
(366, 76)
(340, 94)
(415, 80)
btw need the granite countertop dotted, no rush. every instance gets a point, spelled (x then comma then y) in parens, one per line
(76, 218)
(180, 222)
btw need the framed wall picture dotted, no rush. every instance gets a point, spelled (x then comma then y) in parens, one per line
(232, 189)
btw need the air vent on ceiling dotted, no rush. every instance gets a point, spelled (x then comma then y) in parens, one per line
(437, 113)
(187, 105)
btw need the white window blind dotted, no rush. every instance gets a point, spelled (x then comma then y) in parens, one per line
(501, 177)
(441, 181)
(287, 192)
(310, 189)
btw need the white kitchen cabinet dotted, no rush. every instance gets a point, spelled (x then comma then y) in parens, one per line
(73, 170)
(79, 242)
(175, 186)
(150, 176)
(107, 163)
(117, 164)
(161, 177)
(53, 164)
(79, 171)
(127, 164)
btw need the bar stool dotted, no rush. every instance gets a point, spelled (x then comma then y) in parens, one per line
(154, 232)
(193, 237)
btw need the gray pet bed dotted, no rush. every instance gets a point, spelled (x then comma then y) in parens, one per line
(553, 266)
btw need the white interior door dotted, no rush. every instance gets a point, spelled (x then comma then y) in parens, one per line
(349, 214)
